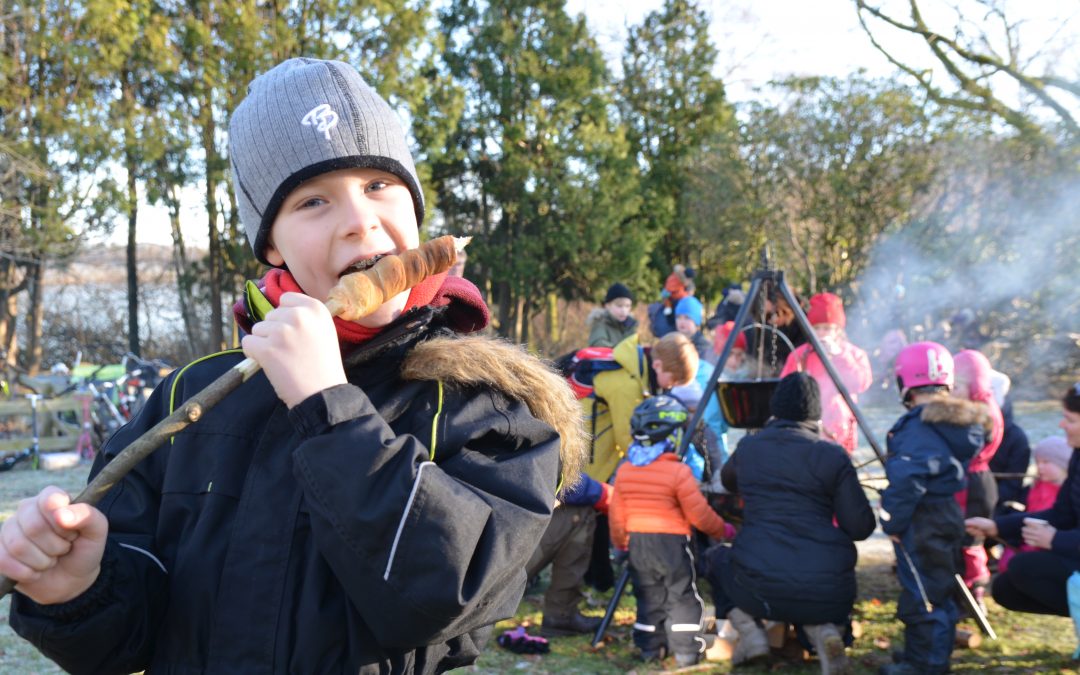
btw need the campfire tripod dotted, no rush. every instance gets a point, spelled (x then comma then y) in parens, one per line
(759, 284)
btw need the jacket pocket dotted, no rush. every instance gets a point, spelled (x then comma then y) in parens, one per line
(207, 465)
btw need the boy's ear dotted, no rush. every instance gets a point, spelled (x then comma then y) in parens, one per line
(272, 255)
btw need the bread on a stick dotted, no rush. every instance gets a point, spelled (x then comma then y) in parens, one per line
(358, 294)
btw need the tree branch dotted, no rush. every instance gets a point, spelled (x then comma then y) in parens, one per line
(985, 98)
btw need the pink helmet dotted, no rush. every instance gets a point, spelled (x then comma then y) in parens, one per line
(923, 364)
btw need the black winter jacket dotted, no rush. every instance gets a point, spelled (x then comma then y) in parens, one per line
(793, 483)
(379, 526)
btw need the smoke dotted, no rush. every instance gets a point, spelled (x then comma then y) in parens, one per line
(991, 264)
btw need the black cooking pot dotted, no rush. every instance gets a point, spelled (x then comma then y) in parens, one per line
(745, 403)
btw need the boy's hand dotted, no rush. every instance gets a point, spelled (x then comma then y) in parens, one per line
(981, 527)
(297, 345)
(52, 548)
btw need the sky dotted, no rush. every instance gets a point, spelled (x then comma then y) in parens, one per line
(763, 40)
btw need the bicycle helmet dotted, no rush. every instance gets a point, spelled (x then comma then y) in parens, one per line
(923, 364)
(657, 418)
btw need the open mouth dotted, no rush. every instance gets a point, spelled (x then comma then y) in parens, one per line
(361, 265)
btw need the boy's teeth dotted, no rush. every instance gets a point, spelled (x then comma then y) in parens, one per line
(362, 265)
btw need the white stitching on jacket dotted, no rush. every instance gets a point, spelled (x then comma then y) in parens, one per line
(146, 553)
(404, 516)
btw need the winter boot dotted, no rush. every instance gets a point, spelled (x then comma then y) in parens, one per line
(829, 646)
(753, 642)
(687, 660)
(574, 624)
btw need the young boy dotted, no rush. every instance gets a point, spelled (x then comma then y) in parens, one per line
(928, 451)
(655, 501)
(688, 314)
(367, 505)
(680, 371)
(612, 323)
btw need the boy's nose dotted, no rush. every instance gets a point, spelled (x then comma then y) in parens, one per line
(358, 216)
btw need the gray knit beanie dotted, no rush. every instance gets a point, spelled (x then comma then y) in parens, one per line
(303, 118)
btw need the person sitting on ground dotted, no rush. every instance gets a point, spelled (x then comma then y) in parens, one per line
(851, 363)
(1035, 581)
(655, 503)
(611, 324)
(929, 448)
(688, 322)
(364, 504)
(794, 557)
(979, 496)
(681, 373)
(678, 285)
(1052, 456)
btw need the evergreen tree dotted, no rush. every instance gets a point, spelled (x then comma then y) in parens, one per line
(536, 167)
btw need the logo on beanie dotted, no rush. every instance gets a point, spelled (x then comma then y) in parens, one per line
(322, 117)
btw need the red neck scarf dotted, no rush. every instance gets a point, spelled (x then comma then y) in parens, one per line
(280, 281)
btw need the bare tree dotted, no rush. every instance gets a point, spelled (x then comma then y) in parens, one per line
(978, 54)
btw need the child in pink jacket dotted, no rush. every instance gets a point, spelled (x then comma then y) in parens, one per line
(826, 315)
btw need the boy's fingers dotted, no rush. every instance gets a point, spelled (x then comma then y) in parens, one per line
(84, 519)
(23, 550)
(38, 528)
(11, 568)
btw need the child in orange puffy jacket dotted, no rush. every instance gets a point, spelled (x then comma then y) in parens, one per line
(656, 501)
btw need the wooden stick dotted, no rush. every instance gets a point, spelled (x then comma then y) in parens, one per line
(434, 259)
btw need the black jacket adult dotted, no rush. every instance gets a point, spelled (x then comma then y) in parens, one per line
(788, 551)
(380, 526)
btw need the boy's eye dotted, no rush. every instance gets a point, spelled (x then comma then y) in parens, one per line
(376, 185)
(310, 202)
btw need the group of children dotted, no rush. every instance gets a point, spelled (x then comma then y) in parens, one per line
(370, 503)
(937, 468)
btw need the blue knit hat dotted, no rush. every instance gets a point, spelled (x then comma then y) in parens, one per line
(690, 307)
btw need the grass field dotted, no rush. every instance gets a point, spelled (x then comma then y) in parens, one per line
(1027, 643)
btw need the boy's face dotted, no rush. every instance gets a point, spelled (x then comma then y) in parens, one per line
(619, 308)
(337, 219)
(664, 379)
(685, 325)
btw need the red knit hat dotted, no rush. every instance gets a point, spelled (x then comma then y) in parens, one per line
(721, 336)
(826, 308)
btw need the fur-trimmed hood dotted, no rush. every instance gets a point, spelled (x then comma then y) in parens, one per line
(957, 411)
(496, 363)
